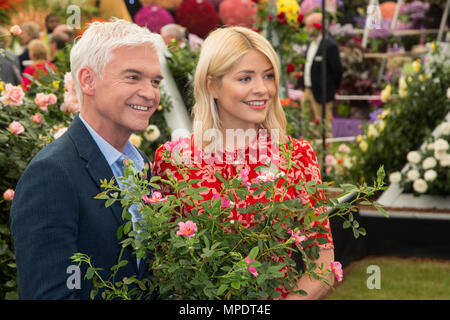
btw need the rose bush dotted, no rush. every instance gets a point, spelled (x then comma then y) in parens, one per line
(209, 256)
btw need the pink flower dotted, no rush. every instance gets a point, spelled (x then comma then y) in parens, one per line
(252, 270)
(43, 100)
(37, 118)
(344, 148)
(268, 176)
(225, 202)
(71, 103)
(155, 198)
(298, 238)
(15, 30)
(16, 127)
(330, 160)
(8, 194)
(12, 95)
(187, 229)
(336, 269)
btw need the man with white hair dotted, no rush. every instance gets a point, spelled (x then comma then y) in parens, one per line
(116, 71)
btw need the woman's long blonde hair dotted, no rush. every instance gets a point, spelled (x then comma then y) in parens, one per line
(220, 51)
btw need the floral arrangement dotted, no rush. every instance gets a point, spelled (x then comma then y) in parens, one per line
(209, 256)
(428, 169)
(238, 12)
(171, 5)
(412, 106)
(153, 17)
(413, 13)
(287, 37)
(198, 16)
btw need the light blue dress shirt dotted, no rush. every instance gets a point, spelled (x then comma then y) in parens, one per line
(115, 161)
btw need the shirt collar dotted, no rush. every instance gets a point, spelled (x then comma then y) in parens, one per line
(110, 153)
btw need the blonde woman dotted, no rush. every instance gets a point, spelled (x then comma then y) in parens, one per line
(238, 123)
(39, 56)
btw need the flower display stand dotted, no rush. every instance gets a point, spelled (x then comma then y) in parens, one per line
(394, 198)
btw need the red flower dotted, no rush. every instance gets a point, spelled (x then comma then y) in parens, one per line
(281, 18)
(317, 25)
(269, 17)
(290, 68)
(198, 17)
(300, 18)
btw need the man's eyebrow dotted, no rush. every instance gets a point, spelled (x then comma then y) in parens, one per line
(159, 77)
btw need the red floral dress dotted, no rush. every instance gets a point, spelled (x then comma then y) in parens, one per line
(243, 163)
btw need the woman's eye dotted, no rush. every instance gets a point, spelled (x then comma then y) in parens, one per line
(269, 76)
(246, 79)
(156, 83)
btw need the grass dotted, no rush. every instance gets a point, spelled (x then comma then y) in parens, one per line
(400, 279)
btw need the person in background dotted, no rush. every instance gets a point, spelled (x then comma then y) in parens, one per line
(57, 41)
(9, 63)
(64, 28)
(39, 56)
(312, 100)
(51, 22)
(171, 32)
(30, 31)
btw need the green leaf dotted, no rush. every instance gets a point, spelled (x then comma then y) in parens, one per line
(253, 253)
(221, 289)
(382, 211)
(236, 285)
(90, 273)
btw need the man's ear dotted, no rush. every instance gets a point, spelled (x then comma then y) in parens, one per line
(212, 86)
(86, 78)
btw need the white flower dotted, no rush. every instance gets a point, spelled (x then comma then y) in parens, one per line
(413, 175)
(430, 175)
(372, 132)
(430, 146)
(136, 140)
(152, 133)
(414, 157)
(420, 186)
(429, 163)
(445, 161)
(441, 144)
(445, 128)
(439, 154)
(448, 92)
(395, 177)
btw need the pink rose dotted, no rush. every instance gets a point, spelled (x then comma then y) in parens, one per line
(8, 195)
(297, 237)
(155, 198)
(12, 95)
(15, 30)
(37, 118)
(330, 160)
(336, 269)
(44, 100)
(187, 229)
(252, 270)
(268, 176)
(16, 127)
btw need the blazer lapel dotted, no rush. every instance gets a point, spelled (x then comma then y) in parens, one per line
(96, 164)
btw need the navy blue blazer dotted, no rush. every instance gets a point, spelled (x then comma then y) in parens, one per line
(54, 215)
